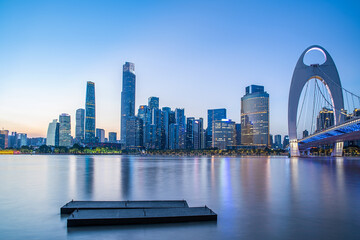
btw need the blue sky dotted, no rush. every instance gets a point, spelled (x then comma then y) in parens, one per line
(192, 54)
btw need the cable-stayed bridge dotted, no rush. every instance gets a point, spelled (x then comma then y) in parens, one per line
(316, 103)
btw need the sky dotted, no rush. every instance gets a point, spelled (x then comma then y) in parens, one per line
(196, 55)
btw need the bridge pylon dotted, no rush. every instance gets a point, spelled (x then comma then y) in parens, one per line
(329, 76)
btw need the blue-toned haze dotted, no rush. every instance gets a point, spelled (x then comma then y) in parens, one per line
(192, 54)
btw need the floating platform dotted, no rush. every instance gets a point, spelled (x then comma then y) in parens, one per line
(139, 216)
(89, 205)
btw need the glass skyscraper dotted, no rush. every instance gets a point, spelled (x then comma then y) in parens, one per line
(180, 121)
(80, 125)
(52, 138)
(90, 113)
(127, 97)
(224, 134)
(255, 117)
(213, 114)
(100, 135)
(64, 130)
(153, 102)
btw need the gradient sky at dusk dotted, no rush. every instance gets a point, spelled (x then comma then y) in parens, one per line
(195, 55)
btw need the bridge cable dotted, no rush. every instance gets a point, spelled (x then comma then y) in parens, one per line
(338, 84)
(302, 105)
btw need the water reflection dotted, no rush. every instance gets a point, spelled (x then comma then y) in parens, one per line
(255, 197)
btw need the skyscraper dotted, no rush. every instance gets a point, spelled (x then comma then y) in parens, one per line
(194, 133)
(90, 113)
(65, 130)
(144, 113)
(223, 134)
(174, 136)
(238, 133)
(277, 144)
(213, 114)
(153, 102)
(134, 131)
(127, 96)
(52, 138)
(168, 118)
(100, 135)
(325, 119)
(286, 141)
(180, 121)
(255, 117)
(80, 125)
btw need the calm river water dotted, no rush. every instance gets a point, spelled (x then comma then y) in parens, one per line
(254, 197)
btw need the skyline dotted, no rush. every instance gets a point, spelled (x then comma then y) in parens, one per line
(219, 50)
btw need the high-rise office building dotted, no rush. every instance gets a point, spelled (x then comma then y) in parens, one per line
(4, 135)
(325, 119)
(153, 102)
(194, 133)
(271, 144)
(167, 120)
(255, 117)
(134, 133)
(180, 121)
(144, 113)
(155, 129)
(286, 141)
(52, 138)
(238, 133)
(90, 113)
(112, 137)
(174, 136)
(80, 125)
(127, 96)
(65, 130)
(213, 114)
(22, 139)
(277, 144)
(223, 134)
(100, 135)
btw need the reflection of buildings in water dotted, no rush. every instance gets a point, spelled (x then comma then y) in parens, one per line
(126, 166)
(294, 175)
(72, 176)
(88, 174)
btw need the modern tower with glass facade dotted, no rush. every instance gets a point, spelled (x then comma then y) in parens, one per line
(52, 138)
(80, 125)
(90, 113)
(255, 117)
(127, 97)
(65, 130)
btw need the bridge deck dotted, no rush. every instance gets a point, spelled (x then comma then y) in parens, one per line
(346, 131)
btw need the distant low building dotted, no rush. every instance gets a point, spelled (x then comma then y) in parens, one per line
(112, 137)
(4, 134)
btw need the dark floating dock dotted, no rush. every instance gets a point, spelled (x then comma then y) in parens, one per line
(139, 216)
(92, 205)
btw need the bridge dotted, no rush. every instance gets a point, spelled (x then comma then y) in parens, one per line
(334, 124)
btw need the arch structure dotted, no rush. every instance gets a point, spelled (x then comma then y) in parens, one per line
(329, 76)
